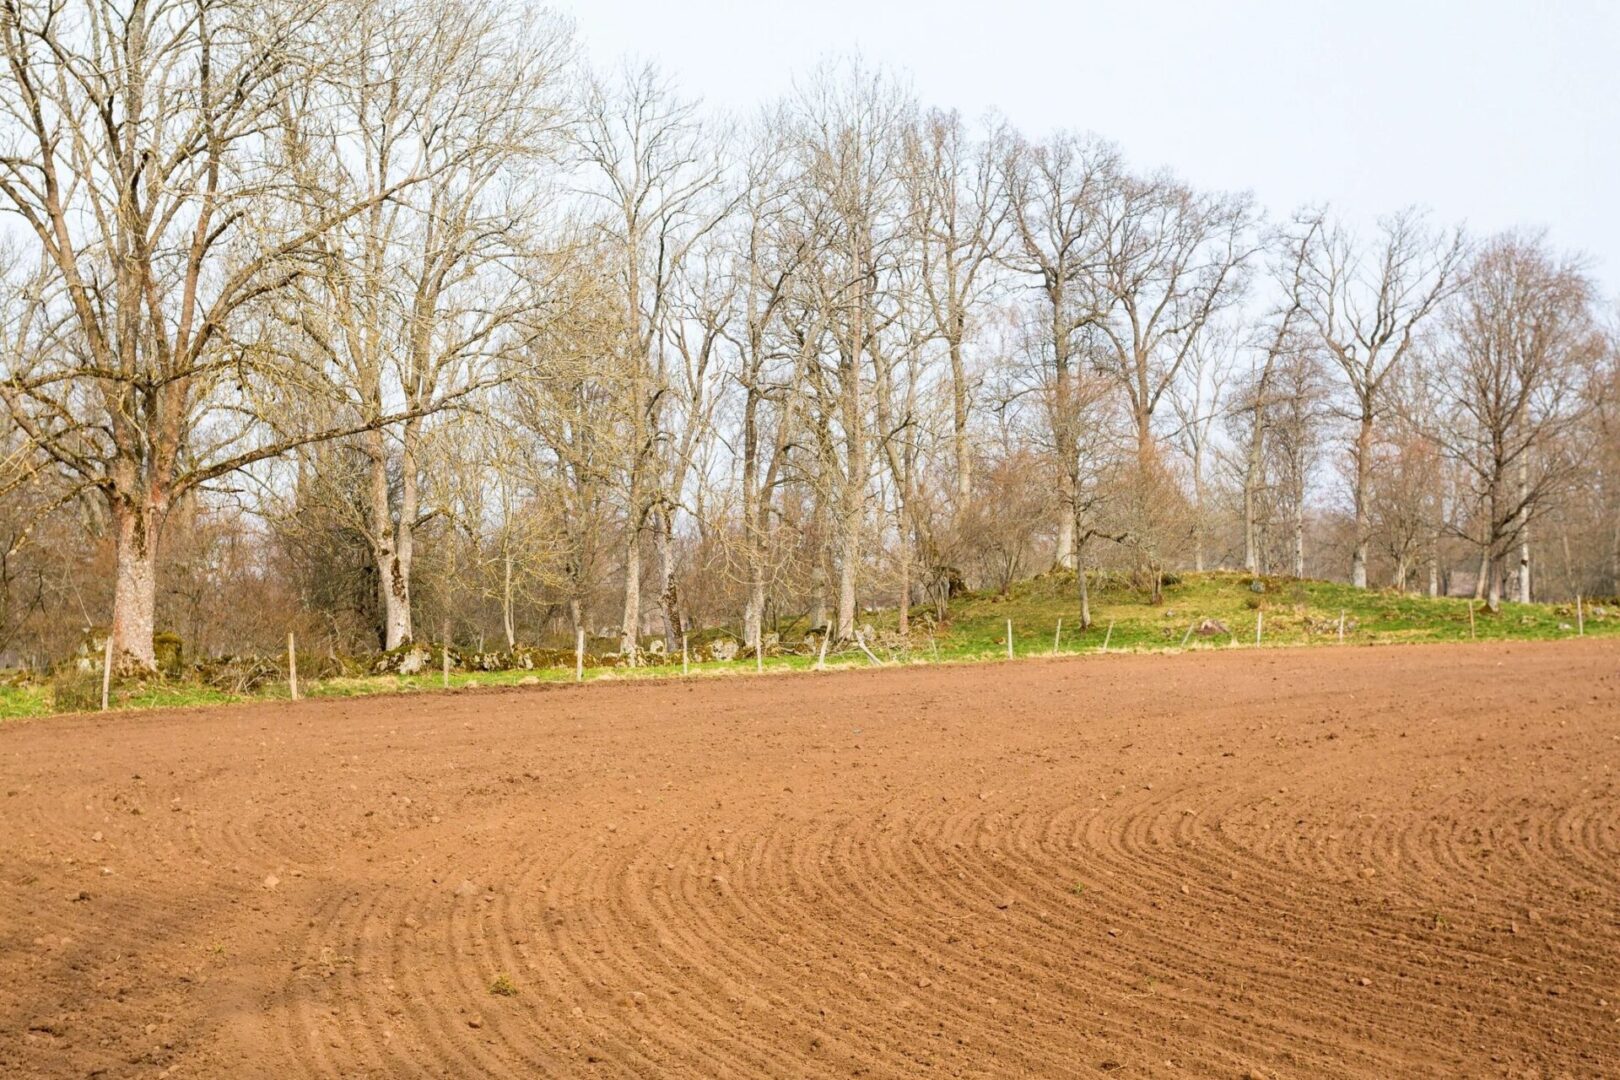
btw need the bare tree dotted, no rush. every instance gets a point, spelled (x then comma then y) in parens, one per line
(1198, 400)
(649, 170)
(1521, 343)
(159, 233)
(1054, 192)
(847, 135)
(956, 216)
(417, 306)
(1366, 303)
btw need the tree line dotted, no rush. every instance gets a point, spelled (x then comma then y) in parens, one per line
(371, 317)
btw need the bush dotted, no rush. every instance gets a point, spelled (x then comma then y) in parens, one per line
(74, 689)
(170, 654)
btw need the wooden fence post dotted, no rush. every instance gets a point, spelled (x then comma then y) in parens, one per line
(1009, 640)
(1057, 638)
(1341, 626)
(821, 657)
(1109, 636)
(759, 647)
(686, 664)
(870, 655)
(1473, 635)
(579, 655)
(292, 666)
(106, 671)
(1259, 627)
(1580, 617)
(444, 654)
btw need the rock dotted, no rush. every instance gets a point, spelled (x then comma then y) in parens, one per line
(466, 888)
(271, 881)
(1364, 981)
(529, 680)
(475, 1021)
(95, 837)
(1006, 902)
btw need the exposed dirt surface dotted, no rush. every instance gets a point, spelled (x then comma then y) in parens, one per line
(1337, 862)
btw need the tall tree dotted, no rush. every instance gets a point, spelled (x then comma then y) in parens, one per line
(1055, 190)
(1521, 344)
(417, 305)
(135, 148)
(653, 181)
(1366, 303)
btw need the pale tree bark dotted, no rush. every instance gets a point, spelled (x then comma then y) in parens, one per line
(1280, 339)
(157, 234)
(956, 216)
(656, 180)
(417, 302)
(1366, 304)
(847, 131)
(1521, 341)
(1054, 191)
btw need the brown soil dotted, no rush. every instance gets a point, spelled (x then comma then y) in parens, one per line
(1365, 862)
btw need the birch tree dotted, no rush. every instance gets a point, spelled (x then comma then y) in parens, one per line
(417, 306)
(1366, 303)
(1054, 190)
(652, 181)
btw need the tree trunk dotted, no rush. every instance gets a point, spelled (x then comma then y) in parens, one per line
(1253, 473)
(1364, 441)
(905, 590)
(1085, 592)
(1198, 507)
(396, 597)
(630, 627)
(1299, 536)
(1524, 528)
(959, 424)
(1524, 566)
(754, 610)
(818, 594)
(391, 537)
(849, 552)
(1063, 556)
(669, 600)
(135, 589)
(507, 622)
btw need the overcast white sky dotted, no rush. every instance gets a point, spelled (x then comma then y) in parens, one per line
(1492, 112)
